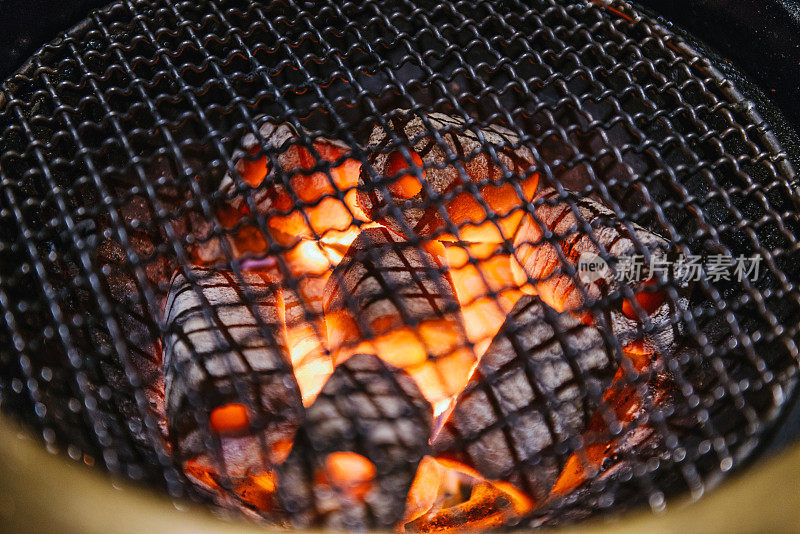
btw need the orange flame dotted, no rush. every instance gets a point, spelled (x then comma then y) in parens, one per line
(439, 378)
(481, 274)
(448, 496)
(310, 263)
(445, 495)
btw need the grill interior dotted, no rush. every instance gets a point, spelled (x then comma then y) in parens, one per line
(119, 138)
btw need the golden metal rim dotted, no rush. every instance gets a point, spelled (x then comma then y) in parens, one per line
(44, 493)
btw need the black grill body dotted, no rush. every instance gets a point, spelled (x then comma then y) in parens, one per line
(115, 135)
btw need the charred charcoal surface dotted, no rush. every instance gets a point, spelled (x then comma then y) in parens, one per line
(303, 187)
(531, 396)
(470, 187)
(115, 140)
(585, 232)
(398, 300)
(664, 430)
(221, 350)
(373, 410)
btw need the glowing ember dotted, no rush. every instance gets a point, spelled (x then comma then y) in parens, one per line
(539, 267)
(406, 185)
(323, 212)
(229, 418)
(358, 449)
(382, 288)
(384, 349)
(300, 180)
(215, 374)
(349, 472)
(648, 299)
(255, 492)
(253, 171)
(471, 214)
(308, 351)
(481, 275)
(625, 401)
(542, 267)
(455, 182)
(309, 264)
(300, 199)
(508, 429)
(449, 496)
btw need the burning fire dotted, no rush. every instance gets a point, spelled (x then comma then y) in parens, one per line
(439, 351)
(449, 496)
(481, 274)
(408, 325)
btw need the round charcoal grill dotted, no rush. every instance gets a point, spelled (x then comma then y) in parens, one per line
(129, 216)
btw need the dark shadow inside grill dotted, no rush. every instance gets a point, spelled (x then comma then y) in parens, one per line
(117, 138)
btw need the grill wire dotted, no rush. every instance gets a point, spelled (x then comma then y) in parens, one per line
(115, 137)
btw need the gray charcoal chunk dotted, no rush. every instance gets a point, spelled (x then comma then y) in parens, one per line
(634, 249)
(369, 408)
(531, 396)
(458, 139)
(219, 350)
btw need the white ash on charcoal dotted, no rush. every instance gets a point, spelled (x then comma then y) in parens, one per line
(647, 412)
(358, 450)
(650, 408)
(391, 298)
(296, 200)
(530, 398)
(227, 372)
(539, 269)
(469, 190)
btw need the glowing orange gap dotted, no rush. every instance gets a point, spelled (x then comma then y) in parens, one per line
(649, 301)
(351, 472)
(407, 185)
(229, 418)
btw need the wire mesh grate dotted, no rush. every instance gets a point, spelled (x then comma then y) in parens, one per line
(280, 138)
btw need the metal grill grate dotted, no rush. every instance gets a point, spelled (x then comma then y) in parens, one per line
(121, 141)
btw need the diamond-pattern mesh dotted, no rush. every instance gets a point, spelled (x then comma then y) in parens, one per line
(123, 142)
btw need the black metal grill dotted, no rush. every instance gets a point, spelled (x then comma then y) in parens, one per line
(116, 138)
